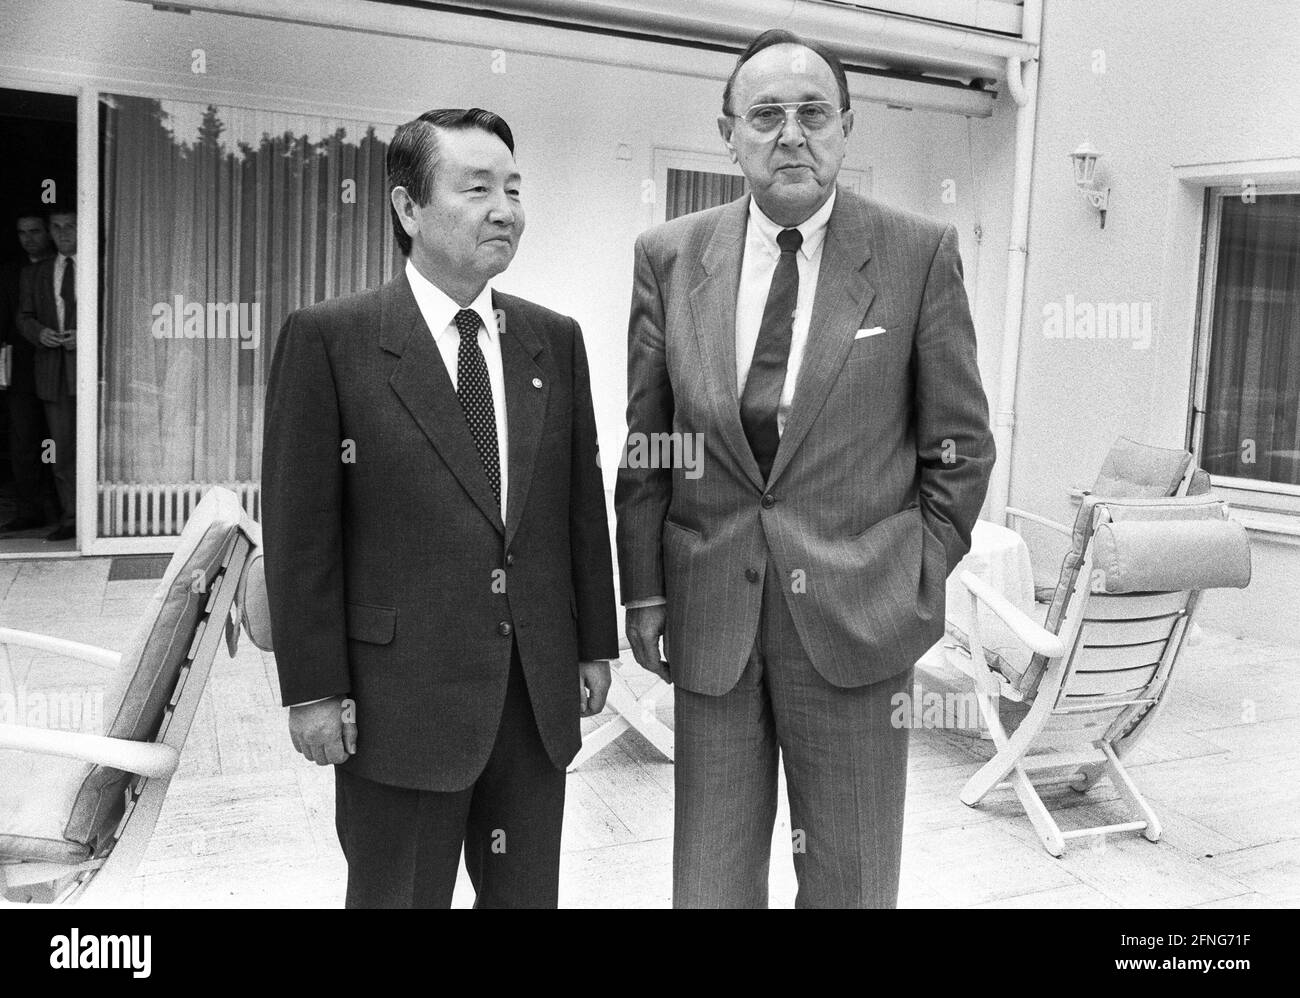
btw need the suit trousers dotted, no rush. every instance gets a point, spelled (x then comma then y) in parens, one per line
(26, 435)
(846, 775)
(403, 846)
(61, 417)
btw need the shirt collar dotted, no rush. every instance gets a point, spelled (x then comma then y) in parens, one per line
(764, 231)
(439, 310)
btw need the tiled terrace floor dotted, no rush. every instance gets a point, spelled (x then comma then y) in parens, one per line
(249, 823)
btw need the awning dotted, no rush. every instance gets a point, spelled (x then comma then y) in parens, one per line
(944, 55)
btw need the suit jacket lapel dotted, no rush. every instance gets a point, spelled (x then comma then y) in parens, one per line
(525, 405)
(842, 299)
(713, 313)
(421, 381)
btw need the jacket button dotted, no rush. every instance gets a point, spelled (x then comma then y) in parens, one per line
(510, 558)
(504, 628)
(768, 500)
(751, 574)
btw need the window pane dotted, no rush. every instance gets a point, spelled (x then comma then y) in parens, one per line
(217, 223)
(1252, 418)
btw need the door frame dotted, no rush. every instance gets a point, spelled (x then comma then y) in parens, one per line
(87, 285)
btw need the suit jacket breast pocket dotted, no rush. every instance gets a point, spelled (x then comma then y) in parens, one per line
(373, 624)
(874, 346)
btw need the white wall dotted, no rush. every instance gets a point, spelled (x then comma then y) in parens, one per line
(584, 206)
(1191, 82)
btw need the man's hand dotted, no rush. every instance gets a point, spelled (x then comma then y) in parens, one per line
(320, 733)
(593, 687)
(645, 626)
(49, 338)
(69, 340)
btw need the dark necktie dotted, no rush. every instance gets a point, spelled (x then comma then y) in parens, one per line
(68, 292)
(475, 393)
(762, 395)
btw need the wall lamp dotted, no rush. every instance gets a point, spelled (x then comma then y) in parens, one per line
(1085, 168)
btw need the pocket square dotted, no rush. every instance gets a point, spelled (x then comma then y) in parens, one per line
(864, 333)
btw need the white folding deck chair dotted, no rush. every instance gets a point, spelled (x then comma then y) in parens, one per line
(1131, 470)
(1098, 668)
(77, 809)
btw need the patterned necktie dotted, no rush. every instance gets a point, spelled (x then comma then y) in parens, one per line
(766, 380)
(68, 292)
(475, 393)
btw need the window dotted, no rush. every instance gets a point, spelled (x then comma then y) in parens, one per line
(1250, 378)
(217, 223)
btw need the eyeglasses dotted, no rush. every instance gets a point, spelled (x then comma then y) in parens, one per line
(813, 116)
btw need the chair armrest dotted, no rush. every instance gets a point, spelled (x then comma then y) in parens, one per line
(145, 758)
(60, 646)
(1019, 514)
(1035, 637)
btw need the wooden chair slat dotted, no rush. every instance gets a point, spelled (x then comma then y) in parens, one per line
(1117, 681)
(1113, 658)
(1101, 633)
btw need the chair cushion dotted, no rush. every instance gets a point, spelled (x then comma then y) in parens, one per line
(135, 701)
(1003, 651)
(39, 794)
(254, 609)
(1134, 470)
(1168, 556)
(1200, 483)
(43, 690)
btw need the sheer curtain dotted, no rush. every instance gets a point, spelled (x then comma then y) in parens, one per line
(1252, 427)
(695, 190)
(218, 222)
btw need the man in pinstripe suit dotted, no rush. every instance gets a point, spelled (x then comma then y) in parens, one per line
(821, 347)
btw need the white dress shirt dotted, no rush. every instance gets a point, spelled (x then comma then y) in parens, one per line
(756, 269)
(61, 264)
(439, 313)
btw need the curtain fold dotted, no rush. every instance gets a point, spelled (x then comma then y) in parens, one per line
(245, 216)
(696, 190)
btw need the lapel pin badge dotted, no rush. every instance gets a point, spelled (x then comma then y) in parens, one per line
(537, 382)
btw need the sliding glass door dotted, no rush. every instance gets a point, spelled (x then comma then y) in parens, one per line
(217, 222)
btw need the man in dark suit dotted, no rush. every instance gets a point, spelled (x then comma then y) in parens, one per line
(26, 412)
(47, 317)
(821, 347)
(436, 543)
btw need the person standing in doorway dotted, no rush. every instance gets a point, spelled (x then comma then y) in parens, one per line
(25, 410)
(47, 317)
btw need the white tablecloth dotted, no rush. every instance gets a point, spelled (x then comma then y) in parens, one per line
(999, 556)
